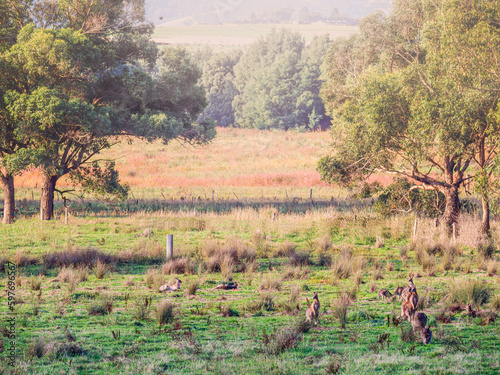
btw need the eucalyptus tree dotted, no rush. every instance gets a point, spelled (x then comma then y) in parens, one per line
(278, 82)
(86, 74)
(402, 104)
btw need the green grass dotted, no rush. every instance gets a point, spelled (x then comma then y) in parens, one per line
(56, 334)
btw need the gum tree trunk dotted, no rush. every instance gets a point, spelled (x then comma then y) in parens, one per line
(7, 182)
(47, 198)
(452, 206)
(485, 227)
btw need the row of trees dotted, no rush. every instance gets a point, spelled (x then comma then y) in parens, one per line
(76, 74)
(416, 93)
(272, 84)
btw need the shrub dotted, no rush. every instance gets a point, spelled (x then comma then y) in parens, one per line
(398, 197)
(97, 309)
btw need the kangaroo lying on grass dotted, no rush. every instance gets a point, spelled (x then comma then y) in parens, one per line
(419, 324)
(171, 288)
(312, 311)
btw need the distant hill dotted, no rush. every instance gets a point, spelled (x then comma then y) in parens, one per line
(192, 12)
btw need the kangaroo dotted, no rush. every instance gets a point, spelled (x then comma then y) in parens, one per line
(418, 321)
(470, 311)
(383, 293)
(408, 307)
(408, 289)
(312, 311)
(426, 335)
(171, 288)
(397, 292)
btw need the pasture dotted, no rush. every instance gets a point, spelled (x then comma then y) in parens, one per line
(233, 35)
(86, 293)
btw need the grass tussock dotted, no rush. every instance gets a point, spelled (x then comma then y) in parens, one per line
(35, 283)
(300, 259)
(179, 266)
(77, 258)
(101, 269)
(230, 257)
(282, 340)
(474, 292)
(264, 303)
(269, 282)
(344, 265)
(340, 309)
(284, 249)
(164, 313)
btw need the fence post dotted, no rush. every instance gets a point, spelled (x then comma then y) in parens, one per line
(170, 246)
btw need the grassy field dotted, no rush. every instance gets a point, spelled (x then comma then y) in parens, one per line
(266, 165)
(87, 301)
(86, 293)
(240, 35)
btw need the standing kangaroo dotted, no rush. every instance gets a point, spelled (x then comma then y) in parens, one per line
(312, 311)
(408, 307)
(410, 288)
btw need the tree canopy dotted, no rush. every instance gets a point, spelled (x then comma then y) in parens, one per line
(414, 94)
(81, 73)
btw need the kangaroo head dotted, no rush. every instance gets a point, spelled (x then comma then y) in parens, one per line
(426, 335)
(316, 296)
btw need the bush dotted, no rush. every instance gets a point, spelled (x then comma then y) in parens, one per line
(398, 197)
(340, 307)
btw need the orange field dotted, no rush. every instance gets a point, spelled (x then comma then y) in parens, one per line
(243, 162)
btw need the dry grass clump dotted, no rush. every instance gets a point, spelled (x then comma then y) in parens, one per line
(340, 308)
(35, 283)
(277, 343)
(234, 255)
(300, 259)
(491, 268)
(38, 348)
(262, 246)
(291, 305)
(324, 260)
(284, 249)
(323, 244)
(154, 278)
(77, 258)
(293, 273)
(264, 303)
(164, 313)
(178, 266)
(270, 282)
(472, 292)
(101, 269)
(23, 261)
(192, 288)
(343, 265)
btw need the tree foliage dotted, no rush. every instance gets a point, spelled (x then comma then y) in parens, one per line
(80, 74)
(402, 102)
(278, 82)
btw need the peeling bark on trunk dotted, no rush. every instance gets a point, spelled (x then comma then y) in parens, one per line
(452, 206)
(47, 198)
(485, 227)
(7, 182)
